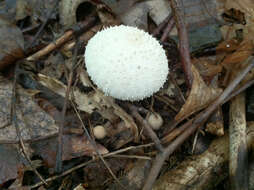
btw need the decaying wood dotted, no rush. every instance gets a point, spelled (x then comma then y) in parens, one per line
(204, 171)
(238, 164)
(251, 169)
(215, 124)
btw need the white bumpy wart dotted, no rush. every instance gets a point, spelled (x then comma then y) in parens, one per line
(126, 63)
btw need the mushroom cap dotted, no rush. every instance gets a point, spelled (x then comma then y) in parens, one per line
(155, 120)
(99, 132)
(126, 62)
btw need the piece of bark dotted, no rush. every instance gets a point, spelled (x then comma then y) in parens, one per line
(204, 171)
(215, 124)
(251, 172)
(238, 154)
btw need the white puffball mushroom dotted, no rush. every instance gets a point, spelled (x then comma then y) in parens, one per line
(155, 120)
(99, 132)
(126, 63)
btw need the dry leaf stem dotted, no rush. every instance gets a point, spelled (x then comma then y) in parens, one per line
(193, 126)
(238, 154)
(183, 40)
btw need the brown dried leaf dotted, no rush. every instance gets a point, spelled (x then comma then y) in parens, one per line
(228, 46)
(73, 146)
(52, 67)
(85, 102)
(91, 101)
(32, 120)
(247, 7)
(200, 96)
(135, 177)
(244, 50)
(207, 68)
(11, 43)
(107, 18)
(96, 173)
(10, 162)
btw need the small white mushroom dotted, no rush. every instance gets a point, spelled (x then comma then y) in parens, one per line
(99, 132)
(126, 63)
(155, 120)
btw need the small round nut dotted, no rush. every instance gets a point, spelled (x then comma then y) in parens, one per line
(155, 120)
(99, 132)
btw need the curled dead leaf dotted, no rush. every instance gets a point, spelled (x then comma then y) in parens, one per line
(200, 96)
(73, 146)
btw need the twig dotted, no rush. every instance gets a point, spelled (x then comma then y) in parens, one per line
(183, 40)
(157, 31)
(90, 161)
(180, 97)
(63, 39)
(169, 27)
(193, 126)
(50, 13)
(15, 122)
(58, 167)
(173, 134)
(146, 125)
(96, 149)
(131, 156)
(239, 90)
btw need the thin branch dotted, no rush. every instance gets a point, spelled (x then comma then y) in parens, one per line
(89, 162)
(239, 90)
(39, 32)
(174, 133)
(15, 122)
(95, 148)
(58, 167)
(147, 127)
(169, 27)
(160, 27)
(177, 10)
(84, 26)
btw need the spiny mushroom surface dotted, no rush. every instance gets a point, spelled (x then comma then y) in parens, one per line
(126, 63)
